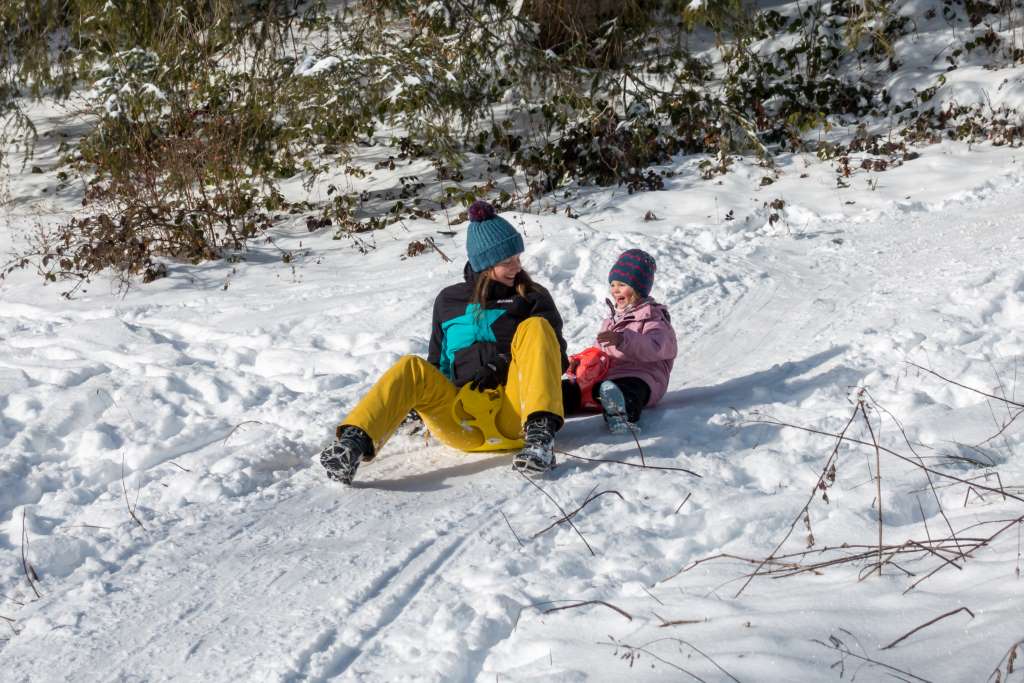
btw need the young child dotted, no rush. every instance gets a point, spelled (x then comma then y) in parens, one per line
(638, 338)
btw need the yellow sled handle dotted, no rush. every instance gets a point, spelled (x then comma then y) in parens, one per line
(478, 410)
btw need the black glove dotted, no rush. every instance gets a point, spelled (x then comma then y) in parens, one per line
(490, 374)
(523, 306)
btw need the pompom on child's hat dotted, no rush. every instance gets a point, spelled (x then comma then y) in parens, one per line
(490, 239)
(635, 267)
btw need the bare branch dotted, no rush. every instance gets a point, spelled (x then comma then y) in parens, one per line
(964, 386)
(573, 513)
(590, 602)
(629, 464)
(548, 495)
(683, 503)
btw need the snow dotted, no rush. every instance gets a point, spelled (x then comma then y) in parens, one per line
(158, 449)
(202, 409)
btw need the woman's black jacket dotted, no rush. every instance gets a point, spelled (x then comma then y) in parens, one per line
(463, 338)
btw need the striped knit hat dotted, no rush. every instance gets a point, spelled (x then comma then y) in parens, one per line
(635, 268)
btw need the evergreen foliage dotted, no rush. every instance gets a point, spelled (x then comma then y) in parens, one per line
(197, 109)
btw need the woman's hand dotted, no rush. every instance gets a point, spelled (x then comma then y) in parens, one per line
(609, 337)
(491, 374)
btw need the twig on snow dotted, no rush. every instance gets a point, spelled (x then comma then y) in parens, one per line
(632, 650)
(124, 487)
(433, 245)
(964, 386)
(1010, 658)
(665, 623)
(19, 603)
(573, 513)
(233, 430)
(511, 529)
(30, 573)
(818, 485)
(632, 431)
(549, 497)
(590, 602)
(683, 503)
(927, 473)
(926, 625)
(878, 479)
(653, 597)
(630, 464)
(842, 648)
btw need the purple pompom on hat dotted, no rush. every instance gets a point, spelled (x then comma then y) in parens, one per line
(481, 211)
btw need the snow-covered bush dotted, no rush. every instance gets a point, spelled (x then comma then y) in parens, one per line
(543, 91)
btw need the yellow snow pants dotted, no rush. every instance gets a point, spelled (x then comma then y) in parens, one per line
(534, 384)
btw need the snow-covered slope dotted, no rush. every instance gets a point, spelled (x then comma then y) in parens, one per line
(197, 404)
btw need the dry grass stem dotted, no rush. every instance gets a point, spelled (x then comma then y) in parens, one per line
(131, 510)
(878, 479)
(632, 654)
(844, 650)
(819, 485)
(926, 625)
(235, 429)
(653, 597)
(30, 573)
(1010, 658)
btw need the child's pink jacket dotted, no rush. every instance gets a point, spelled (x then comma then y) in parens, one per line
(648, 349)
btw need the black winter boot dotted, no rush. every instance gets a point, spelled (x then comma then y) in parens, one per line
(538, 455)
(342, 458)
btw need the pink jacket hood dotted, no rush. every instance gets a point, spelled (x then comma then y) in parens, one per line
(648, 349)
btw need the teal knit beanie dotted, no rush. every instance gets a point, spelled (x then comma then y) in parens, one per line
(491, 239)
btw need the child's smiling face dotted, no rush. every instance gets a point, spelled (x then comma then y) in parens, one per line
(622, 294)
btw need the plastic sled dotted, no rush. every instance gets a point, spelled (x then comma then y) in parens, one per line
(479, 410)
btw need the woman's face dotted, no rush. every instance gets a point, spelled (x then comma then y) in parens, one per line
(505, 271)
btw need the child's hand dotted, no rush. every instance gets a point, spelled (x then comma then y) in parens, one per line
(610, 337)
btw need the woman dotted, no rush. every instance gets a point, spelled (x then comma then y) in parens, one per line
(496, 329)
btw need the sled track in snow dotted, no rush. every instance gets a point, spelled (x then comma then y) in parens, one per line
(387, 600)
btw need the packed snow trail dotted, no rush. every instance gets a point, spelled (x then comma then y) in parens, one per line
(200, 401)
